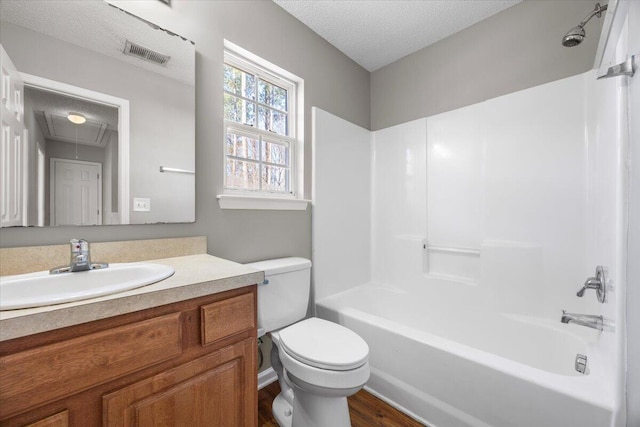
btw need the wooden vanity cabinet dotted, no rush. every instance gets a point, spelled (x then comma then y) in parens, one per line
(191, 363)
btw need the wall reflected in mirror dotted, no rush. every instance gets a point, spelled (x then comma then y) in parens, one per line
(134, 84)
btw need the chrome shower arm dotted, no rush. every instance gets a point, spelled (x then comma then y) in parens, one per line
(595, 12)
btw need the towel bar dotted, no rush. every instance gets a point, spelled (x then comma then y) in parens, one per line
(164, 169)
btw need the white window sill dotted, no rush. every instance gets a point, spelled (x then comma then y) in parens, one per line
(235, 201)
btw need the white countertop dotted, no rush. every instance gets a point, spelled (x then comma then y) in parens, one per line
(195, 276)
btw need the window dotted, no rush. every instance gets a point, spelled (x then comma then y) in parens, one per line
(260, 129)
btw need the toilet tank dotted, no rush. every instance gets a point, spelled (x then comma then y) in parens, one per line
(284, 297)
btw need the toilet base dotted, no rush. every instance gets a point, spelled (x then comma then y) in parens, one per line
(282, 411)
(311, 411)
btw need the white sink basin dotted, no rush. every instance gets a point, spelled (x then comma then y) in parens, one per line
(41, 288)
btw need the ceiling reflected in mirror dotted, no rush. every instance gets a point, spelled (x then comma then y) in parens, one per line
(58, 116)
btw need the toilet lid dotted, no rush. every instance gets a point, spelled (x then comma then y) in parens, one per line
(324, 344)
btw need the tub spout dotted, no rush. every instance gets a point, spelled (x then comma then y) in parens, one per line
(588, 320)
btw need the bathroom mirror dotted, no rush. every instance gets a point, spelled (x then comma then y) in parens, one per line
(130, 83)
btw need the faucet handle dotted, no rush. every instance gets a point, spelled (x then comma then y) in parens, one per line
(79, 245)
(80, 258)
(79, 251)
(599, 283)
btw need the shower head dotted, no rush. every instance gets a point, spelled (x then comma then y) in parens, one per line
(576, 35)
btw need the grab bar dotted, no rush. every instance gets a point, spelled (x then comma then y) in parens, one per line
(451, 249)
(164, 169)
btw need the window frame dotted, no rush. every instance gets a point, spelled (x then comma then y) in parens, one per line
(261, 72)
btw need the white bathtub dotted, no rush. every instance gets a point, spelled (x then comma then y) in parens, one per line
(450, 365)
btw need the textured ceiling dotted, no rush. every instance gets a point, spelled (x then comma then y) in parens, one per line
(375, 33)
(95, 25)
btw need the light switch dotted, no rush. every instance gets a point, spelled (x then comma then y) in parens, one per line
(141, 205)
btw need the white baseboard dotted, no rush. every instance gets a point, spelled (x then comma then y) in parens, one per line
(266, 377)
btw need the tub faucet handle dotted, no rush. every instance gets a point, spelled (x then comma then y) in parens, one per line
(599, 283)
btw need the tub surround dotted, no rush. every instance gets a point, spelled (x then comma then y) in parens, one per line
(469, 282)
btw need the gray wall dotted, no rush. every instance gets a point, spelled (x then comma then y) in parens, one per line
(36, 138)
(111, 175)
(67, 150)
(332, 82)
(513, 50)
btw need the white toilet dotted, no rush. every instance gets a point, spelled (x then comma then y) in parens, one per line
(319, 363)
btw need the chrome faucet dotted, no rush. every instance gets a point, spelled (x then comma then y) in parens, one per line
(80, 256)
(588, 320)
(599, 283)
(80, 259)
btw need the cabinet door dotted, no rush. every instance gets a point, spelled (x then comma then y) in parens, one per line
(34, 377)
(215, 390)
(61, 419)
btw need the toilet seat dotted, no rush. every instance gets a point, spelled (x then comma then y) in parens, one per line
(331, 380)
(323, 344)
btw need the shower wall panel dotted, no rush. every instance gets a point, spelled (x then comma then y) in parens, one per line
(399, 202)
(341, 227)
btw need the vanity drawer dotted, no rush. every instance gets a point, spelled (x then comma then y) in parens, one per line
(34, 377)
(227, 317)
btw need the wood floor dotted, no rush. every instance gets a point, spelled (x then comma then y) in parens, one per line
(366, 410)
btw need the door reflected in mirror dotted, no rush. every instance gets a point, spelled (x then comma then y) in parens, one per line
(132, 82)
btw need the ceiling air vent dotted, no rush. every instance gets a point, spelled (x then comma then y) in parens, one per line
(147, 54)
